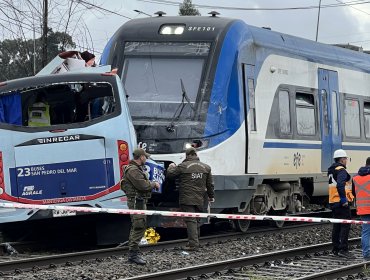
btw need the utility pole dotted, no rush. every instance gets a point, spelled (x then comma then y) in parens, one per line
(34, 46)
(45, 33)
(318, 21)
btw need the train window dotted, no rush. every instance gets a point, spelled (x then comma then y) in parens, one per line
(153, 74)
(252, 104)
(305, 110)
(352, 118)
(367, 119)
(334, 112)
(325, 123)
(284, 111)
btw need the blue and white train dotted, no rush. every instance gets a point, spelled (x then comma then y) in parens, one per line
(265, 110)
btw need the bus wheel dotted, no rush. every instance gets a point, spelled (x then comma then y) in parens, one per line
(242, 225)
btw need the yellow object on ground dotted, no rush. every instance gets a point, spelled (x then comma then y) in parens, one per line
(151, 236)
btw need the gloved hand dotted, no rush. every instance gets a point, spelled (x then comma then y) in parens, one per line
(211, 199)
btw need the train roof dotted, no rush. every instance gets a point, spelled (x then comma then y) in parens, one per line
(310, 50)
(145, 29)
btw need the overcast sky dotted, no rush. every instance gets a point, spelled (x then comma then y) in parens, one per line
(343, 24)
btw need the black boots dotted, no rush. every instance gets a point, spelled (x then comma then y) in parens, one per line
(134, 257)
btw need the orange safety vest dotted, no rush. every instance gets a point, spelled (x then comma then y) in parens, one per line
(333, 191)
(362, 190)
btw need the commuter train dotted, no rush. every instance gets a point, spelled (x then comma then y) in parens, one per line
(265, 110)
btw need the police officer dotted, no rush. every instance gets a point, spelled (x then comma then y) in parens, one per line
(362, 189)
(195, 182)
(340, 195)
(138, 189)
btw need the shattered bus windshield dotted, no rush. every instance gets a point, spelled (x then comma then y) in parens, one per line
(152, 73)
(60, 103)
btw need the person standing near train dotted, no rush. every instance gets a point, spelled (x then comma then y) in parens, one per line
(340, 195)
(195, 183)
(135, 183)
(362, 190)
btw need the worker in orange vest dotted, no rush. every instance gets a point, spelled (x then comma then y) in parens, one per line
(340, 195)
(362, 190)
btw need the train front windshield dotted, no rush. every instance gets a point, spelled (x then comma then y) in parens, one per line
(153, 73)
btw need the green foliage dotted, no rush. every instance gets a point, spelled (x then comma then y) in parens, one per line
(366, 270)
(188, 9)
(16, 56)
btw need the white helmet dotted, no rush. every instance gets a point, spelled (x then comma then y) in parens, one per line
(340, 154)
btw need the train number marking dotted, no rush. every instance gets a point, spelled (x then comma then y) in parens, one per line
(297, 160)
(201, 28)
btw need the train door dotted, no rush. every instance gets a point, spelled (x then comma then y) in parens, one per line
(249, 108)
(329, 103)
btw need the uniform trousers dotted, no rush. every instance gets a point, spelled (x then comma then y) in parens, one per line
(192, 224)
(341, 231)
(138, 224)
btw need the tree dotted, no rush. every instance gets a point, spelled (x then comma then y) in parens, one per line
(21, 29)
(187, 8)
(16, 56)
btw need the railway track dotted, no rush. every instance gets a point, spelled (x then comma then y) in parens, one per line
(19, 263)
(309, 262)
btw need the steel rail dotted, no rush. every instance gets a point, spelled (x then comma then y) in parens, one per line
(67, 258)
(216, 267)
(338, 272)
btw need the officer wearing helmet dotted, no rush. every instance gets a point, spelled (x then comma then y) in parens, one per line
(340, 195)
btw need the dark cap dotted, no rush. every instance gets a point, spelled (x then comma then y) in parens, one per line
(191, 151)
(87, 56)
(140, 152)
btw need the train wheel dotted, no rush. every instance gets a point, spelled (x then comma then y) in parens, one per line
(242, 225)
(278, 224)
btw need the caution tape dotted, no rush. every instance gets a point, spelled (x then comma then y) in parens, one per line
(181, 214)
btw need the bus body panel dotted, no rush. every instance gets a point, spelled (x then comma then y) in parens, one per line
(72, 164)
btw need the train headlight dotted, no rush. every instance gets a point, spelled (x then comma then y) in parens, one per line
(196, 143)
(179, 30)
(171, 29)
(187, 146)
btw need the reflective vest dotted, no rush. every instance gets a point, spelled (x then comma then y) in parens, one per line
(362, 190)
(333, 191)
(39, 115)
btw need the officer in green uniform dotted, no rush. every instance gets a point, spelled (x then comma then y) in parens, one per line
(135, 183)
(195, 183)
